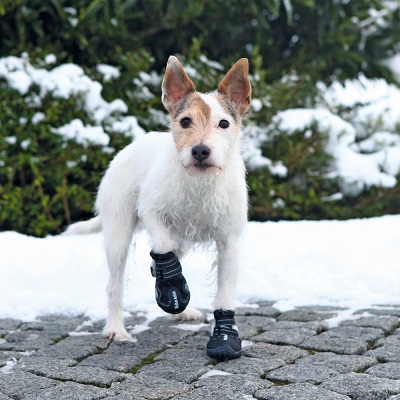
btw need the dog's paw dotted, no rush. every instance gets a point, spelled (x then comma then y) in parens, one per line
(189, 314)
(117, 334)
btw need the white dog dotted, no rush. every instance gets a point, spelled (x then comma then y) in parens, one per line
(183, 187)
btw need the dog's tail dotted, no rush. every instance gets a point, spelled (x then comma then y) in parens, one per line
(84, 227)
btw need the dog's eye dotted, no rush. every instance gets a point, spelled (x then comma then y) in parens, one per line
(223, 124)
(185, 122)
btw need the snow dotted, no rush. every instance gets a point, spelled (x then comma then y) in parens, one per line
(82, 134)
(108, 71)
(38, 117)
(50, 59)
(214, 372)
(357, 171)
(191, 327)
(128, 126)
(65, 81)
(341, 263)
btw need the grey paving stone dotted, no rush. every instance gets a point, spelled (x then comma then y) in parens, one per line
(75, 347)
(393, 339)
(250, 366)
(121, 356)
(9, 324)
(363, 386)
(38, 365)
(341, 345)
(322, 309)
(302, 373)
(166, 335)
(149, 387)
(182, 365)
(168, 321)
(125, 356)
(253, 325)
(19, 385)
(344, 340)
(236, 384)
(166, 362)
(387, 324)
(357, 332)
(262, 311)
(284, 336)
(267, 351)
(197, 341)
(25, 341)
(390, 370)
(338, 362)
(70, 391)
(301, 391)
(54, 323)
(316, 326)
(382, 311)
(207, 393)
(67, 370)
(385, 353)
(302, 315)
(32, 336)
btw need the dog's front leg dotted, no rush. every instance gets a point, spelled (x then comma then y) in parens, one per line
(172, 291)
(161, 240)
(228, 266)
(224, 342)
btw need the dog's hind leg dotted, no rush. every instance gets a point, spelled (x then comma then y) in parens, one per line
(117, 238)
(116, 206)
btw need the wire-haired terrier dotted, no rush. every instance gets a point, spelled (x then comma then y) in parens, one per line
(184, 187)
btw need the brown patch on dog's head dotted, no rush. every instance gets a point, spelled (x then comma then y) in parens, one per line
(196, 114)
(176, 84)
(236, 86)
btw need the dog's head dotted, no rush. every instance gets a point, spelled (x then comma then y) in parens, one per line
(205, 127)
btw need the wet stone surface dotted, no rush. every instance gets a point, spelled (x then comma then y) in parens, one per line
(296, 354)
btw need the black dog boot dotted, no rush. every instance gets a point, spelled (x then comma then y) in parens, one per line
(172, 291)
(224, 343)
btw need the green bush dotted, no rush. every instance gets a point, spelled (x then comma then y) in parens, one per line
(45, 182)
(322, 39)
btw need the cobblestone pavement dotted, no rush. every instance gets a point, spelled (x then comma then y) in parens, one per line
(289, 355)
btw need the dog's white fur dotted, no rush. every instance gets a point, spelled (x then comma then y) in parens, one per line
(156, 184)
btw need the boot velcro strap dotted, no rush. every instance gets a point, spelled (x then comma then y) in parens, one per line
(165, 266)
(225, 330)
(225, 321)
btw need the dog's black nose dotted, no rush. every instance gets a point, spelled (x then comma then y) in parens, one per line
(200, 152)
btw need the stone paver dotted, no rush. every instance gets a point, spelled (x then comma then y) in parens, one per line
(363, 386)
(298, 392)
(286, 355)
(390, 370)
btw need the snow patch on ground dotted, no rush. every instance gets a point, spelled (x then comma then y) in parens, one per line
(352, 264)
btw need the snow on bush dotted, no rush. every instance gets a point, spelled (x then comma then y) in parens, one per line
(364, 141)
(361, 117)
(68, 80)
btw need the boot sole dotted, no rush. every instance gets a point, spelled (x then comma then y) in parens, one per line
(225, 352)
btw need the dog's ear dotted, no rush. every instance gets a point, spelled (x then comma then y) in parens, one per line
(236, 85)
(176, 84)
